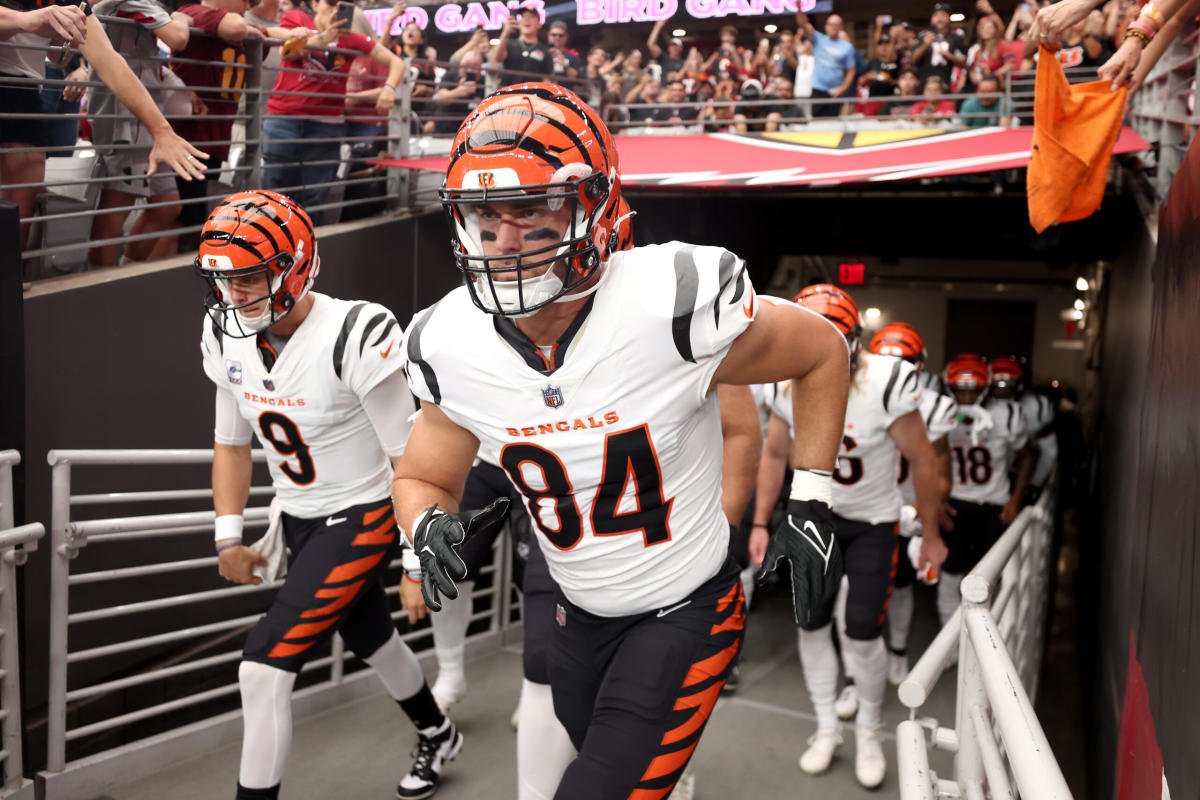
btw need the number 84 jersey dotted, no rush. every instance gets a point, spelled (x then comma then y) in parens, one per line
(306, 410)
(611, 434)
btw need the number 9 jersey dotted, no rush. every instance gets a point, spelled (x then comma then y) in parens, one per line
(323, 452)
(611, 434)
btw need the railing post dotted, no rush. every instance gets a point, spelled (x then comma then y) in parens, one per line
(10, 656)
(399, 145)
(61, 553)
(255, 108)
(968, 761)
(337, 669)
(12, 351)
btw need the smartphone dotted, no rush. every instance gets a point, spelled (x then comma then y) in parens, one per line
(1024, 7)
(345, 13)
(886, 19)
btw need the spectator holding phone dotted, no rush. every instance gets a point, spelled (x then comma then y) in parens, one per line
(879, 81)
(565, 62)
(939, 49)
(303, 132)
(524, 53)
(458, 92)
(670, 61)
(411, 48)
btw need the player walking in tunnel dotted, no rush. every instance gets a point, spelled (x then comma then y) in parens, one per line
(319, 382)
(592, 372)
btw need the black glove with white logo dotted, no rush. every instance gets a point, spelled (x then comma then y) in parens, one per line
(436, 540)
(805, 538)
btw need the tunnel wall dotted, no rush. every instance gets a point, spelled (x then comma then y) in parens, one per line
(1140, 550)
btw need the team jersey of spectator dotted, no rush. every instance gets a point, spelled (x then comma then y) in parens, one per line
(832, 59)
(365, 73)
(980, 62)
(320, 72)
(935, 61)
(883, 88)
(669, 66)
(138, 45)
(527, 57)
(937, 107)
(24, 57)
(1076, 55)
(224, 71)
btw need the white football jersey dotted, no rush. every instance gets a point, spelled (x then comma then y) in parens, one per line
(1039, 414)
(762, 404)
(306, 411)
(939, 412)
(883, 389)
(979, 469)
(611, 435)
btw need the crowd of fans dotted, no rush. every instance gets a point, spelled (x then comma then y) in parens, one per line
(330, 81)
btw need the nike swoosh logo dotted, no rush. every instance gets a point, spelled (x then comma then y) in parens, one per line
(331, 521)
(825, 551)
(662, 612)
(748, 306)
(384, 353)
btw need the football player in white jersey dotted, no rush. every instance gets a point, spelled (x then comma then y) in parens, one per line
(319, 382)
(1008, 381)
(882, 422)
(593, 373)
(939, 412)
(982, 503)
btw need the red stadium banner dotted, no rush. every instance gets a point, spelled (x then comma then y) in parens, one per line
(813, 158)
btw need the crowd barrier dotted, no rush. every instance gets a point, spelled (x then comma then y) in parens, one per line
(15, 545)
(998, 633)
(159, 645)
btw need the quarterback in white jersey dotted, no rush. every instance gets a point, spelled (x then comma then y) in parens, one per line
(983, 447)
(319, 382)
(593, 373)
(882, 421)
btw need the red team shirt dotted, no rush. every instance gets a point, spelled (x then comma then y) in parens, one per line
(322, 72)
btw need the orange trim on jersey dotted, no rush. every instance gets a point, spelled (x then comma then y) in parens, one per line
(343, 596)
(712, 666)
(307, 629)
(542, 356)
(668, 763)
(651, 794)
(384, 534)
(285, 649)
(353, 569)
(703, 701)
(371, 516)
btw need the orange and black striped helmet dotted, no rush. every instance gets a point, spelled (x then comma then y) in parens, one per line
(839, 308)
(539, 155)
(898, 339)
(968, 372)
(1006, 373)
(251, 234)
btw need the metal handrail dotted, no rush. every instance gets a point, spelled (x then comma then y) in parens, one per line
(998, 631)
(71, 536)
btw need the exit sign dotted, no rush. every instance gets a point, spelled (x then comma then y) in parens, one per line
(852, 274)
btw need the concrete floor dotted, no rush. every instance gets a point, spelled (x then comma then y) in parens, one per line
(749, 749)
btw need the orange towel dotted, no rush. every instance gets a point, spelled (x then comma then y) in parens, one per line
(1074, 130)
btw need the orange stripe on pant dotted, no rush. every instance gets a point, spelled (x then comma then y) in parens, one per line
(385, 534)
(354, 568)
(703, 701)
(372, 516)
(344, 595)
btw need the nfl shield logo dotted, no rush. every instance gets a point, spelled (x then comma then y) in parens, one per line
(553, 396)
(234, 370)
(269, 384)
(560, 615)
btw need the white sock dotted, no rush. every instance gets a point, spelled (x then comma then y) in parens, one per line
(820, 666)
(839, 614)
(544, 750)
(868, 665)
(450, 633)
(948, 598)
(398, 668)
(899, 618)
(747, 576)
(267, 723)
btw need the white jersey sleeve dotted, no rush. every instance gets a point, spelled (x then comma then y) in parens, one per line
(1038, 412)
(219, 370)
(367, 348)
(939, 412)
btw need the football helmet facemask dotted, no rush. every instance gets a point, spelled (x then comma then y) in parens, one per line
(533, 142)
(250, 234)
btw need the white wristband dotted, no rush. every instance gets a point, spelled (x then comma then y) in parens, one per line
(812, 484)
(228, 526)
(411, 563)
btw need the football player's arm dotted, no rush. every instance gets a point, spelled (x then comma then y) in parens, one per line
(110, 66)
(908, 432)
(1027, 458)
(434, 467)
(788, 342)
(231, 474)
(742, 446)
(389, 406)
(771, 470)
(941, 449)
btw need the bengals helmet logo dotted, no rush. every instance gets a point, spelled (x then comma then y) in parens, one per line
(487, 180)
(212, 262)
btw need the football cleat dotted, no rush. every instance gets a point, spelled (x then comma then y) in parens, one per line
(435, 747)
(870, 765)
(821, 747)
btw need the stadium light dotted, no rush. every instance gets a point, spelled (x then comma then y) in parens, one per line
(770, 28)
(1080, 305)
(494, 42)
(957, 17)
(679, 33)
(873, 313)
(1081, 283)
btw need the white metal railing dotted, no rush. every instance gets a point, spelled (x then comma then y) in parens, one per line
(92, 678)
(15, 545)
(1000, 750)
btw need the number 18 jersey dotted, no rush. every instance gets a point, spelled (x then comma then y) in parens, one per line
(979, 464)
(306, 410)
(611, 434)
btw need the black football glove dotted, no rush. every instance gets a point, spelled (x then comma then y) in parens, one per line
(436, 541)
(805, 538)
